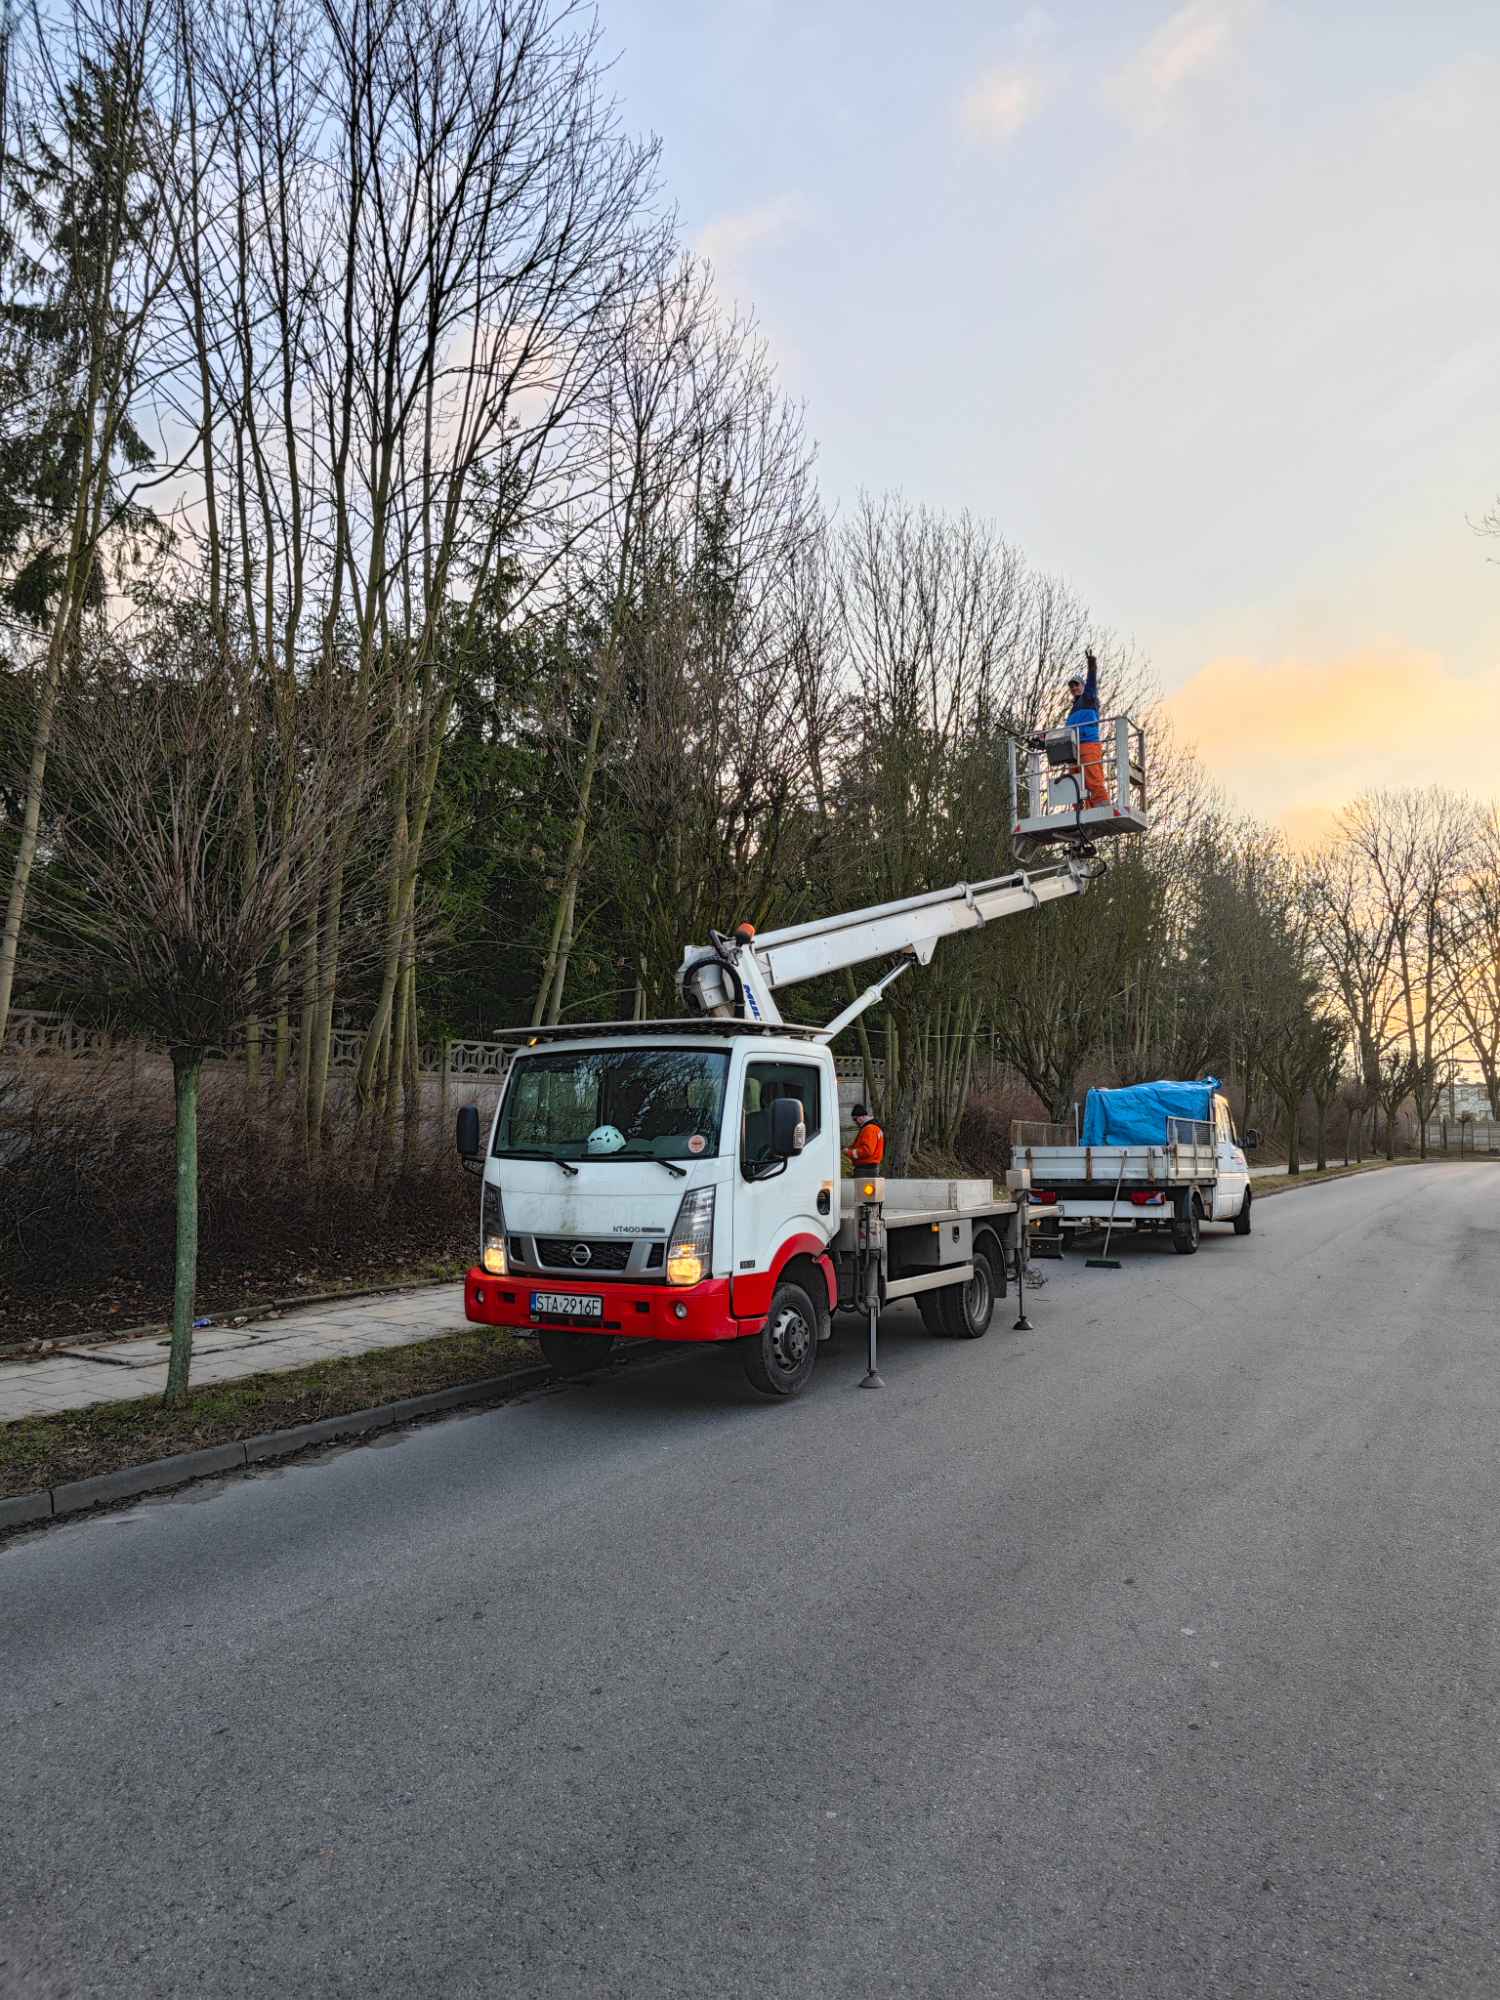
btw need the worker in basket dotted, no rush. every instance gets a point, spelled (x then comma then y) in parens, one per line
(1083, 719)
(868, 1149)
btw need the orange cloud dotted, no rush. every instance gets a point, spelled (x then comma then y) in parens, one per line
(1294, 739)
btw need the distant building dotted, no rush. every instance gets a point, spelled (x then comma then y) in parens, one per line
(1459, 1098)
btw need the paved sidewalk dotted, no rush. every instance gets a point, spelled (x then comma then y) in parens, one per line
(111, 1371)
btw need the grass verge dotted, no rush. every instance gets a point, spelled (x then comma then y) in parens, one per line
(1267, 1184)
(77, 1444)
(1310, 1177)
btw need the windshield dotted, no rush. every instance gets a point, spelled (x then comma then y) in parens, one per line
(664, 1103)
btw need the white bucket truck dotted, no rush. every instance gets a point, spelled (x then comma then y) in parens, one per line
(680, 1179)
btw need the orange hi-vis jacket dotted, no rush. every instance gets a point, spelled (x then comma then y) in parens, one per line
(868, 1149)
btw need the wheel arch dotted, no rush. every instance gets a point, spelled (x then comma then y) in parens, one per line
(812, 1268)
(987, 1236)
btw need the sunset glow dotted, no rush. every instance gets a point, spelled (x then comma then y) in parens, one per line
(1296, 738)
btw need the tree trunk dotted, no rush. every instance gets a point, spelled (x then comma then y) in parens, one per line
(549, 992)
(1322, 1138)
(875, 1099)
(1293, 1161)
(322, 1045)
(15, 908)
(187, 1069)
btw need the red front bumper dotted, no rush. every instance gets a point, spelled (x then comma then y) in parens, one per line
(640, 1312)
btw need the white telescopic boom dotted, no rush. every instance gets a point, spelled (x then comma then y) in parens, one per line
(909, 930)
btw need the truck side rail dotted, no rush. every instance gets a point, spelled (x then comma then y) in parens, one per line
(1170, 1162)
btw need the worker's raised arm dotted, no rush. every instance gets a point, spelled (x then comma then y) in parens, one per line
(1091, 685)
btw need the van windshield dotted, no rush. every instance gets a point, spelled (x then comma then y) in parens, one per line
(667, 1103)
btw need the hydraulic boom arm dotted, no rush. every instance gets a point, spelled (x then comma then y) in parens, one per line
(740, 976)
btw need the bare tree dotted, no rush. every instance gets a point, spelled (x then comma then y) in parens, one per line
(1472, 945)
(1416, 847)
(1353, 931)
(146, 915)
(100, 263)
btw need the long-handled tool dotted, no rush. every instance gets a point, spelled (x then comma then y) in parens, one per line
(1106, 1262)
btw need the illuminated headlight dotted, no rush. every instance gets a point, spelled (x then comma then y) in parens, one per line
(690, 1247)
(492, 1233)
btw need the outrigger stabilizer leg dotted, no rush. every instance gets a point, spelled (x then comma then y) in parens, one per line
(873, 1379)
(1023, 1324)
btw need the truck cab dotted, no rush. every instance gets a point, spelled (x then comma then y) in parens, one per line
(668, 1185)
(1232, 1168)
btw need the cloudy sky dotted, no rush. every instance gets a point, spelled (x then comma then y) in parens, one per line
(1200, 306)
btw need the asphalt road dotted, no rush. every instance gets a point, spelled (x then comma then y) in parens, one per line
(1151, 1653)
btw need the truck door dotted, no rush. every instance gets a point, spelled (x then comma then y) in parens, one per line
(1234, 1172)
(775, 1202)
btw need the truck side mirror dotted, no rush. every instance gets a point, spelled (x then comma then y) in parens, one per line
(788, 1128)
(1252, 1139)
(466, 1138)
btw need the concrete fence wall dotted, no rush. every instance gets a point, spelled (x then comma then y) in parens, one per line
(1455, 1136)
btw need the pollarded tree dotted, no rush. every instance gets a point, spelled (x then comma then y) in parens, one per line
(146, 916)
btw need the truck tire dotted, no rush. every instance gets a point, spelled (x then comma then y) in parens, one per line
(1242, 1220)
(968, 1309)
(779, 1359)
(1186, 1227)
(930, 1306)
(1000, 1264)
(570, 1354)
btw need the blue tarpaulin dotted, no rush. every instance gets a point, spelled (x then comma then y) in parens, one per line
(1137, 1116)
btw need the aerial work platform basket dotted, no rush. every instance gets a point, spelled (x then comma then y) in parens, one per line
(1052, 801)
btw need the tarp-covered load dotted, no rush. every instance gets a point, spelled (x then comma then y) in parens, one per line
(1137, 1115)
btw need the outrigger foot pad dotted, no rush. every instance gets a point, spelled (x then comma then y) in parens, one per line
(874, 1380)
(1023, 1325)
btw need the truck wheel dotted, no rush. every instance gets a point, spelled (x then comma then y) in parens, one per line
(570, 1354)
(992, 1248)
(968, 1309)
(779, 1359)
(1186, 1228)
(930, 1306)
(1242, 1220)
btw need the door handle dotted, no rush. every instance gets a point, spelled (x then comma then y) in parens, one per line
(825, 1201)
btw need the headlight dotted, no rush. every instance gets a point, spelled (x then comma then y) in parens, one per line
(691, 1244)
(492, 1232)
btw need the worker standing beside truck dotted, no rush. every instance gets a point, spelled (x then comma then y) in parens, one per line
(867, 1153)
(1083, 718)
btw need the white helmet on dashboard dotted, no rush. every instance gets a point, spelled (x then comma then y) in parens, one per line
(604, 1139)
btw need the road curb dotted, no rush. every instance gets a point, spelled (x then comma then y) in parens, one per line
(1310, 1177)
(160, 1475)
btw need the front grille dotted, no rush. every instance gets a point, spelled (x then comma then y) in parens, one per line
(557, 1251)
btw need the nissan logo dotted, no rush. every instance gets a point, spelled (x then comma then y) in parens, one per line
(582, 1254)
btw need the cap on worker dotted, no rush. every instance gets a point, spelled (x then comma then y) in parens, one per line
(861, 1110)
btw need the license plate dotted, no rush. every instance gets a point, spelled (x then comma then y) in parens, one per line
(568, 1305)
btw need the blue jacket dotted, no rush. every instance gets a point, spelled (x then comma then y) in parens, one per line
(1084, 714)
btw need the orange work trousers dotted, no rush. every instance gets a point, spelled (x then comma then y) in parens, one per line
(1096, 790)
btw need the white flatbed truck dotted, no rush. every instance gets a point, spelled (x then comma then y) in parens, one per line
(1195, 1173)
